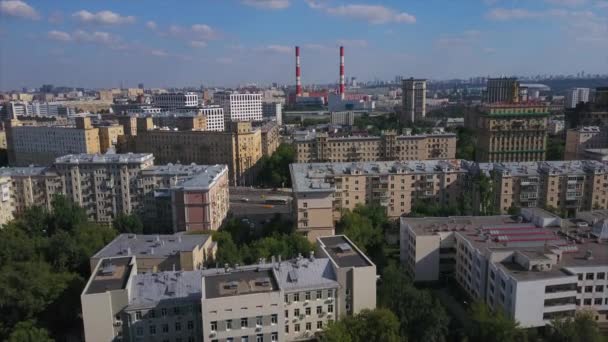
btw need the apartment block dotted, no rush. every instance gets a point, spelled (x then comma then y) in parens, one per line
(108, 136)
(575, 96)
(567, 186)
(534, 268)
(159, 253)
(322, 190)
(240, 148)
(39, 143)
(502, 90)
(510, 132)
(278, 300)
(175, 100)
(319, 147)
(239, 106)
(580, 139)
(414, 100)
(271, 138)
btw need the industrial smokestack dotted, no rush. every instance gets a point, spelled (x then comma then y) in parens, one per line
(342, 72)
(298, 73)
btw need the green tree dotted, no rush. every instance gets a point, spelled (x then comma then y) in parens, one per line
(488, 325)
(465, 146)
(227, 250)
(580, 328)
(28, 331)
(274, 170)
(66, 215)
(369, 325)
(421, 316)
(556, 147)
(128, 223)
(359, 229)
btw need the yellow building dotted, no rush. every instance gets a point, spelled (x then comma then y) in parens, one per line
(510, 132)
(240, 148)
(108, 136)
(271, 138)
(39, 143)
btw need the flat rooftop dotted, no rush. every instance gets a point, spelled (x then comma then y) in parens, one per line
(532, 169)
(318, 177)
(306, 273)
(23, 171)
(112, 274)
(343, 252)
(108, 158)
(240, 282)
(148, 289)
(151, 246)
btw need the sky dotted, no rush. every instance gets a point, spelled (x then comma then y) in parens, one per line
(167, 43)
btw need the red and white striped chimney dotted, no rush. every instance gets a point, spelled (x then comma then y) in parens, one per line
(342, 72)
(298, 73)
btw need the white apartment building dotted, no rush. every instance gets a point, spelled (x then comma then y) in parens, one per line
(414, 99)
(534, 268)
(272, 301)
(576, 95)
(175, 100)
(215, 118)
(239, 106)
(273, 111)
(342, 118)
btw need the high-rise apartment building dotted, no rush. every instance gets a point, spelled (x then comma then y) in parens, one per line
(39, 143)
(319, 147)
(534, 269)
(510, 132)
(215, 118)
(580, 139)
(239, 106)
(175, 100)
(414, 100)
(502, 90)
(271, 139)
(576, 95)
(240, 148)
(277, 300)
(321, 191)
(273, 111)
(108, 136)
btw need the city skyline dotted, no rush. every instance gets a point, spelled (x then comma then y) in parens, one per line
(104, 43)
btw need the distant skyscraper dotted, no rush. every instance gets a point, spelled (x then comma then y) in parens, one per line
(502, 90)
(140, 86)
(414, 100)
(576, 95)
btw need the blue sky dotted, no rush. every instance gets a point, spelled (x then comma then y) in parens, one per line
(166, 43)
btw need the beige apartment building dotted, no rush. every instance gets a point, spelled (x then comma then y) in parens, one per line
(159, 253)
(108, 136)
(510, 132)
(275, 300)
(271, 139)
(580, 139)
(319, 147)
(321, 191)
(568, 186)
(39, 143)
(240, 148)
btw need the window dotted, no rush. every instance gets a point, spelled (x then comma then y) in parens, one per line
(296, 312)
(286, 299)
(296, 327)
(139, 331)
(597, 301)
(286, 313)
(589, 276)
(190, 325)
(178, 326)
(587, 301)
(286, 329)
(151, 313)
(153, 330)
(259, 338)
(330, 308)
(296, 297)
(319, 294)
(599, 288)
(308, 326)
(214, 326)
(176, 310)
(245, 339)
(580, 276)
(330, 293)
(601, 275)
(163, 312)
(319, 309)
(307, 296)
(258, 321)
(274, 337)
(274, 319)
(137, 314)
(165, 328)
(244, 322)
(308, 311)
(319, 325)
(230, 339)
(588, 288)
(229, 324)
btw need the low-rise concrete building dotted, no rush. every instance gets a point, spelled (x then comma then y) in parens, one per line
(580, 139)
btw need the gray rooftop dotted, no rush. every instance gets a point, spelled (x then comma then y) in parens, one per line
(242, 281)
(318, 177)
(191, 176)
(148, 289)
(151, 246)
(306, 274)
(23, 171)
(112, 274)
(343, 252)
(570, 167)
(313, 135)
(108, 158)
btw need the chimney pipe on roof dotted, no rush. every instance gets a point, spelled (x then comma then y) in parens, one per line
(342, 72)
(298, 73)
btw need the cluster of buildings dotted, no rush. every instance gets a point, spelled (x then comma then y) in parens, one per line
(322, 190)
(177, 197)
(135, 294)
(535, 267)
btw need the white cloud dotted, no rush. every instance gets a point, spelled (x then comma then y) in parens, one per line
(97, 37)
(159, 53)
(267, 4)
(505, 14)
(567, 3)
(56, 17)
(203, 31)
(464, 39)
(18, 8)
(59, 36)
(151, 25)
(277, 49)
(198, 32)
(198, 44)
(103, 18)
(352, 42)
(373, 14)
(601, 4)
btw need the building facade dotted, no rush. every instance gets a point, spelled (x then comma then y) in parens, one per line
(502, 90)
(108, 136)
(273, 111)
(580, 139)
(239, 106)
(271, 138)
(279, 300)
(414, 100)
(319, 147)
(342, 118)
(175, 100)
(40, 143)
(576, 95)
(510, 133)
